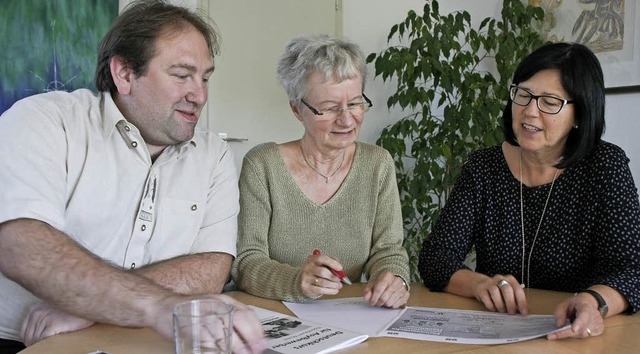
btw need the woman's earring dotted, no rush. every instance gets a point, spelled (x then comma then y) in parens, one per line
(575, 126)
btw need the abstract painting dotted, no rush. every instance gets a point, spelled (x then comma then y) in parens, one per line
(50, 45)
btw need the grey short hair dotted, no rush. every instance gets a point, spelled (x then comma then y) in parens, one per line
(336, 58)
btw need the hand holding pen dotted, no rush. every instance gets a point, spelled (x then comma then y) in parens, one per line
(321, 275)
(338, 273)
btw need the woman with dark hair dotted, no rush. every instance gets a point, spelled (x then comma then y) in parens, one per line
(552, 207)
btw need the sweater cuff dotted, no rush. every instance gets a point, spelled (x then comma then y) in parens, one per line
(404, 282)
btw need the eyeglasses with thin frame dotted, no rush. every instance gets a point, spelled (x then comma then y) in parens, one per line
(546, 104)
(357, 109)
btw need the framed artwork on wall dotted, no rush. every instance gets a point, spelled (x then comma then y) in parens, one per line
(611, 28)
(50, 45)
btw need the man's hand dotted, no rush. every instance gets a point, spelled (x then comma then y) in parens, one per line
(44, 321)
(248, 335)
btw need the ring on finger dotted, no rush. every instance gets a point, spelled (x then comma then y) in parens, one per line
(589, 331)
(317, 279)
(502, 283)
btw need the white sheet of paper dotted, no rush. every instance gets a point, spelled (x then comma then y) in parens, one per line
(351, 313)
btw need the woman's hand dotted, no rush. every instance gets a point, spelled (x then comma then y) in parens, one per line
(388, 290)
(588, 321)
(501, 293)
(317, 279)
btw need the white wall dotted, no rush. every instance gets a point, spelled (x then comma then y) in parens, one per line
(367, 22)
(623, 125)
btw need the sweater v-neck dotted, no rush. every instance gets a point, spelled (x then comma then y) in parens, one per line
(292, 181)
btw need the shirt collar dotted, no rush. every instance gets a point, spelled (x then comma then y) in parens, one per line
(112, 116)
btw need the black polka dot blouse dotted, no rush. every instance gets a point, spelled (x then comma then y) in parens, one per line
(590, 233)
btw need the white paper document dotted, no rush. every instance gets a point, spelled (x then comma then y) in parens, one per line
(424, 323)
(287, 334)
(351, 313)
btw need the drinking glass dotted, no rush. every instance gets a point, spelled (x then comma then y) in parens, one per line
(203, 327)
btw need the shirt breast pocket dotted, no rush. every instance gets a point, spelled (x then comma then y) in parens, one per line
(177, 228)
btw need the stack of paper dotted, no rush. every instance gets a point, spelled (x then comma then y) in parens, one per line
(287, 334)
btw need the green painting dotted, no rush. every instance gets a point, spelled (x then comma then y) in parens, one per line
(50, 45)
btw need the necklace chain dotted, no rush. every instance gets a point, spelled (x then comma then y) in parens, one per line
(326, 178)
(535, 237)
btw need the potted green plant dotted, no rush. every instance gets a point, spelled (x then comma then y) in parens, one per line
(453, 80)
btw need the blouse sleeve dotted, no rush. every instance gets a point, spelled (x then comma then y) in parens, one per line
(617, 235)
(445, 249)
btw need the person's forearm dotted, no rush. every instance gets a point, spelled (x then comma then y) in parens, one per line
(203, 273)
(397, 263)
(57, 270)
(615, 301)
(463, 283)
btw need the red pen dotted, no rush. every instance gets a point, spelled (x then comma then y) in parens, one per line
(338, 273)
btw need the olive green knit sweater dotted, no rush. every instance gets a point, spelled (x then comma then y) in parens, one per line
(278, 226)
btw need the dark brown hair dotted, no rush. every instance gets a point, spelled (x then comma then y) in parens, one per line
(133, 35)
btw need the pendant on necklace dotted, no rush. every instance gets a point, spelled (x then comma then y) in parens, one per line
(326, 178)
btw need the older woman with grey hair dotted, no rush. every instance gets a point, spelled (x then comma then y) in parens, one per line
(324, 192)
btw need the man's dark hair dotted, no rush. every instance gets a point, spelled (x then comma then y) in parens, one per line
(133, 35)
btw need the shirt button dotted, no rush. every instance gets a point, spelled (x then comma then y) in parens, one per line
(134, 144)
(127, 128)
(133, 266)
(143, 227)
(194, 207)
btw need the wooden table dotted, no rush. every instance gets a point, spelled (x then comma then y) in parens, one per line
(622, 333)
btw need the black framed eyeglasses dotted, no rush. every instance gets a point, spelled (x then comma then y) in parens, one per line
(546, 104)
(357, 109)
